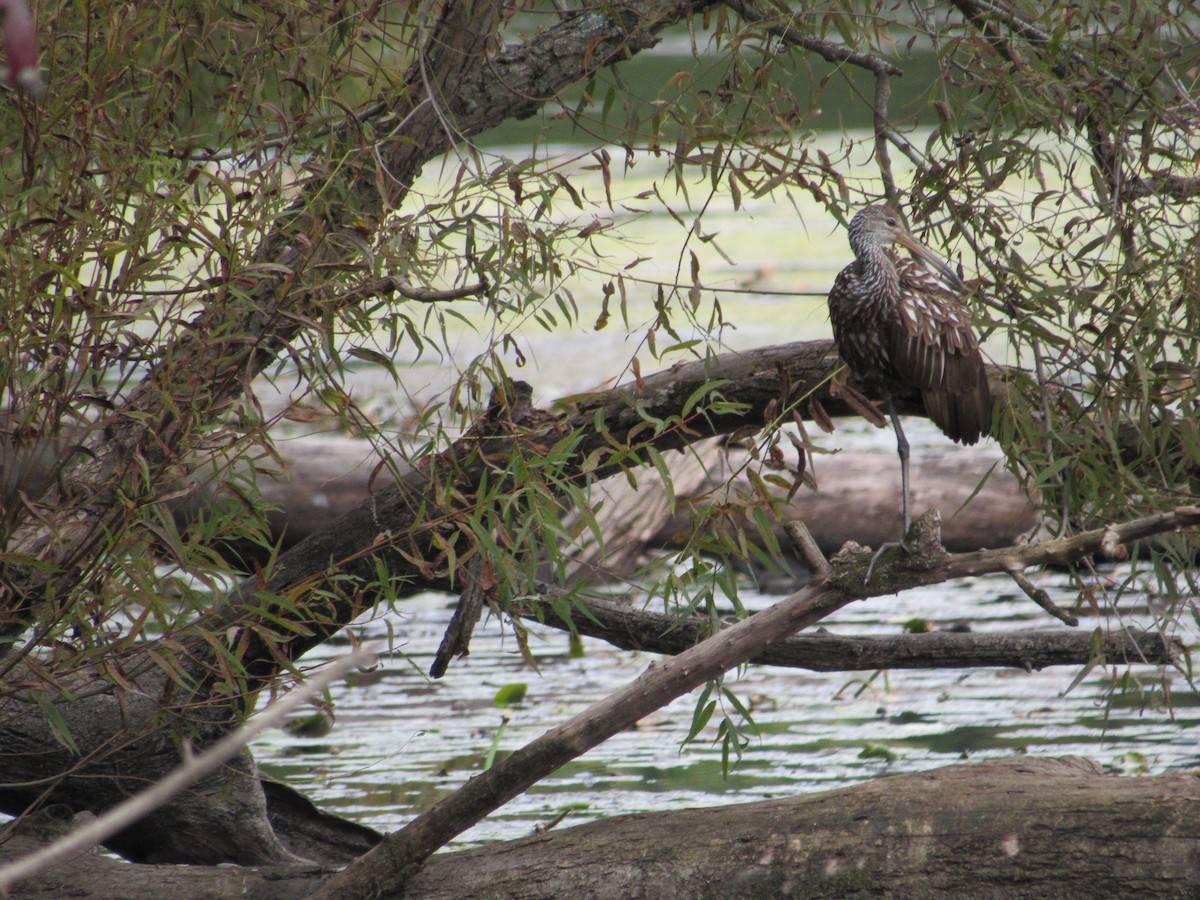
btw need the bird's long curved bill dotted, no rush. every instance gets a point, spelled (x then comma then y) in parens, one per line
(911, 243)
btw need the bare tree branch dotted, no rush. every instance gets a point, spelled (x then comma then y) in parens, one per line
(396, 284)
(806, 547)
(883, 127)
(387, 868)
(631, 628)
(1042, 599)
(1177, 187)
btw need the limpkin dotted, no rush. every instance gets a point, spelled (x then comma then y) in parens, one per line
(900, 326)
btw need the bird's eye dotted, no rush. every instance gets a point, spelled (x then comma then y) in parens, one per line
(891, 222)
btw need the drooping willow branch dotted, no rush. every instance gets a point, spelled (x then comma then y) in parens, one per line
(207, 362)
(781, 27)
(1112, 158)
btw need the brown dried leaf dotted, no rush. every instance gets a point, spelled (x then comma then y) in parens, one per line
(817, 413)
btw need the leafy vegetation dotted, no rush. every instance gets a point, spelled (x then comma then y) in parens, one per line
(213, 224)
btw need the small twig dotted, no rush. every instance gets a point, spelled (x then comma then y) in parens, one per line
(883, 96)
(829, 51)
(904, 146)
(1041, 598)
(393, 284)
(188, 773)
(429, 295)
(1064, 551)
(802, 541)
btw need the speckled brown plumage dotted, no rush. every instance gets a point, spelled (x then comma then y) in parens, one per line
(900, 326)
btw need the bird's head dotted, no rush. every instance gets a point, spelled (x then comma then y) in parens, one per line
(879, 226)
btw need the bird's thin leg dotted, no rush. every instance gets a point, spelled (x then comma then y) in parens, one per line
(902, 450)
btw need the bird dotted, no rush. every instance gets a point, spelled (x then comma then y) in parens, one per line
(900, 325)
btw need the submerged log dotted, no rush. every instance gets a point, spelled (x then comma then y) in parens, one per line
(1007, 828)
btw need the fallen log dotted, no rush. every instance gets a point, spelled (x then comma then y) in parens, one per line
(983, 505)
(632, 627)
(857, 498)
(1006, 828)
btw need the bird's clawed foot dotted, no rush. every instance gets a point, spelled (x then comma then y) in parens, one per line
(922, 546)
(890, 545)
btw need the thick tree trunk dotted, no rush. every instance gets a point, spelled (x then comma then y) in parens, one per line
(1009, 828)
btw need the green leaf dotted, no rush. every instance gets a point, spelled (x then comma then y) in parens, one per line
(312, 726)
(510, 695)
(490, 758)
(741, 708)
(376, 358)
(877, 751)
(703, 712)
(58, 725)
(665, 474)
(699, 394)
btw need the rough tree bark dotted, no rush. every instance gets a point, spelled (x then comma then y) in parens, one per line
(1009, 828)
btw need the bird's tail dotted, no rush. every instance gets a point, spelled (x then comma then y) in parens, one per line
(964, 417)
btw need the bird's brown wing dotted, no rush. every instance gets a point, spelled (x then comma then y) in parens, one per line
(935, 349)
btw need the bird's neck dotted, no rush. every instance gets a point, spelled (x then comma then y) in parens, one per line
(877, 267)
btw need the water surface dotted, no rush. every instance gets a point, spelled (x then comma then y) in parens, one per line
(403, 742)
